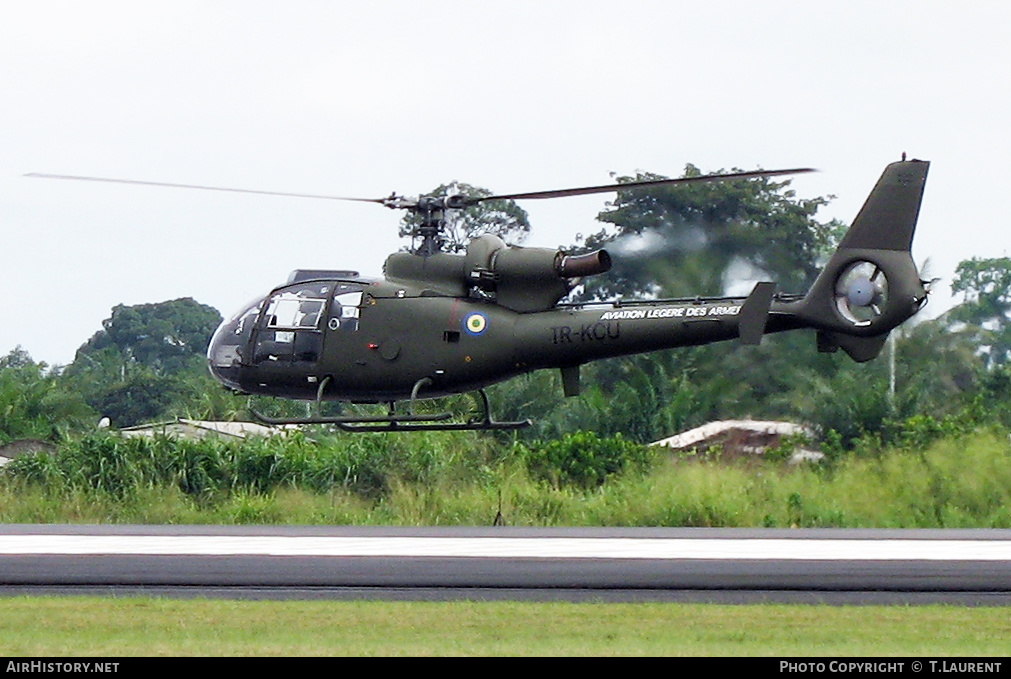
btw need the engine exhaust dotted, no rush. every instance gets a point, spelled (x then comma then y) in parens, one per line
(577, 266)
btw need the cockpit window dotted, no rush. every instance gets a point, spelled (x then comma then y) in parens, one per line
(244, 320)
(293, 313)
(297, 308)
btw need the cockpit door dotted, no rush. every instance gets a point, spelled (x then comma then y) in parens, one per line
(290, 328)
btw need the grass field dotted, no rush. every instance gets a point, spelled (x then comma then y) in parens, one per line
(79, 626)
(956, 483)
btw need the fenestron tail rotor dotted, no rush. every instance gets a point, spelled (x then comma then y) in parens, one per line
(861, 293)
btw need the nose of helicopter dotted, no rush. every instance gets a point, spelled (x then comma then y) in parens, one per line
(223, 356)
(228, 344)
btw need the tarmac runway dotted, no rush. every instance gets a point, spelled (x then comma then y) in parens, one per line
(971, 567)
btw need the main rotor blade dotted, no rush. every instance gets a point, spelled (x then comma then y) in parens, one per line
(41, 175)
(561, 193)
(395, 201)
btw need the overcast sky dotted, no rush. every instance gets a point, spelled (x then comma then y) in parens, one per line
(364, 98)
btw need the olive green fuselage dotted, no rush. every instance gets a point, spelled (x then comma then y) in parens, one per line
(461, 345)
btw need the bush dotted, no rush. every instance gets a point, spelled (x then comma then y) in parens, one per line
(583, 458)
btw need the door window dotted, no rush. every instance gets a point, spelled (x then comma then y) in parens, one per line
(290, 330)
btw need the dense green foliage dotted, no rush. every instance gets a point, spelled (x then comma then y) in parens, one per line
(33, 401)
(147, 362)
(582, 459)
(986, 310)
(958, 481)
(109, 464)
(161, 336)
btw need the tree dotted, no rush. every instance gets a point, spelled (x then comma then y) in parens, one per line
(503, 218)
(692, 239)
(162, 336)
(937, 367)
(34, 403)
(986, 288)
(147, 362)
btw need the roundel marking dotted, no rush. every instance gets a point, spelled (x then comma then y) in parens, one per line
(475, 324)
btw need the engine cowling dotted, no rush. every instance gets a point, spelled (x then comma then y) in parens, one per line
(521, 279)
(529, 279)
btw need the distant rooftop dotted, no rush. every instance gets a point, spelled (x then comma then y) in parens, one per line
(186, 428)
(12, 449)
(740, 437)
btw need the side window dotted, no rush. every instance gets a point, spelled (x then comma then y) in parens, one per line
(344, 310)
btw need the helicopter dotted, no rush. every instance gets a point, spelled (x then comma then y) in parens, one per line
(440, 323)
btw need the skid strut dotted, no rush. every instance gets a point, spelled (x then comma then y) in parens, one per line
(397, 422)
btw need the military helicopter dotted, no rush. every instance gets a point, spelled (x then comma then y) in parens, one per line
(440, 323)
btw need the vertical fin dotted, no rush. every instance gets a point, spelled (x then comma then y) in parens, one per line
(888, 218)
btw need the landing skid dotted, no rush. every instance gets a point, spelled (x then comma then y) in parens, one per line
(397, 422)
